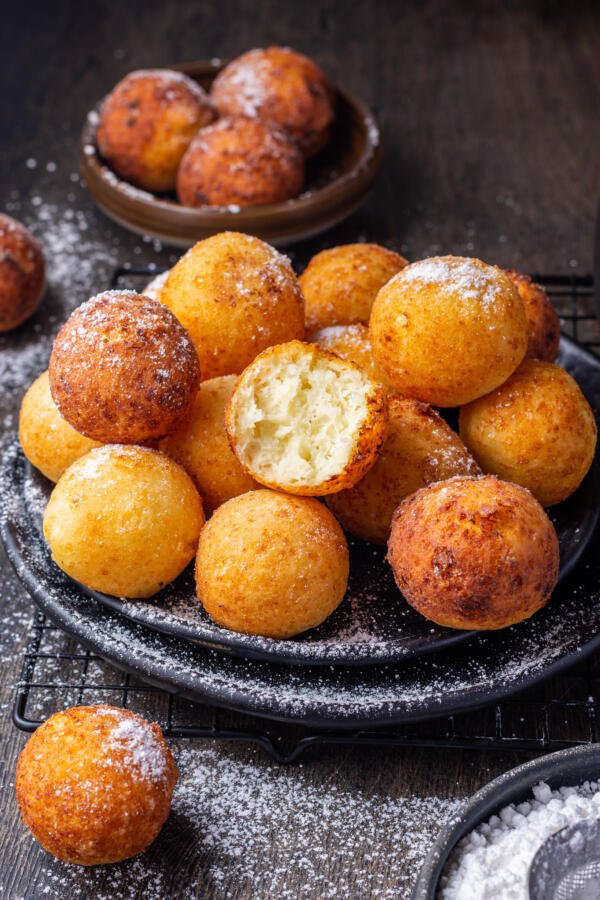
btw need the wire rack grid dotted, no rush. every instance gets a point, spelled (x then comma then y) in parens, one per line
(57, 672)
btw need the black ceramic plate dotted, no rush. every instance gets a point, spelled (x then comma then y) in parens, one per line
(566, 768)
(374, 624)
(485, 669)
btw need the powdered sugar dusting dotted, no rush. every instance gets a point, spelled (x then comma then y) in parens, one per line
(320, 829)
(248, 79)
(140, 746)
(472, 280)
(94, 464)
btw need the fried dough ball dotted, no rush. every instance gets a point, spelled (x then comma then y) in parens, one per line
(123, 369)
(240, 161)
(146, 125)
(271, 564)
(537, 429)
(200, 445)
(340, 285)
(543, 322)
(22, 273)
(279, 85)
(350, 342)
(474, 553)
(48, 441)
(236, 295)
(154, 287)
(304, 421)
(94, 784)
(420, 448)
(123, 520)
(448, 329)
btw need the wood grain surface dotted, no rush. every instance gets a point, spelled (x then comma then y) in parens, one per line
(490, 116)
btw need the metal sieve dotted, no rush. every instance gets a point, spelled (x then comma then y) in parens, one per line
(567, 865)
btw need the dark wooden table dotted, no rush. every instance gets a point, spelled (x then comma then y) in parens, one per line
(490, 115)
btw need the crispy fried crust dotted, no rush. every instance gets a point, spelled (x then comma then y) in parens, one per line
(542, 321)
(281, 86)
(350, 342)
(362, 445)
(200, 445)
(236, 295)
(94, 784)
(48, 441)
(123, 520)
(271, 564)
(147, 123)
(340, 284)
(420, 449)
(123, 369)
(448, 329)
(537, 429)
(240, 161)
(474, 553)
(22, 273)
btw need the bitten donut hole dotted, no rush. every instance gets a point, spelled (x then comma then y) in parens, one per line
(299, 417)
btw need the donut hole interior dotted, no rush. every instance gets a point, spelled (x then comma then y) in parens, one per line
(298, 418)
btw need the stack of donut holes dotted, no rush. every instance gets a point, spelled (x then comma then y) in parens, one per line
(250, 419)
(245, 144)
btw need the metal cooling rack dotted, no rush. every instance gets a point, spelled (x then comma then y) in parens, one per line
(58, 672)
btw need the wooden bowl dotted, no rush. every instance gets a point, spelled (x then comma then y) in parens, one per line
(337, 183)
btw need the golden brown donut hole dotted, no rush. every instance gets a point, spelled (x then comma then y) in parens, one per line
(279, 85)
(271, 564)
(474, 553)
(340, 284)
(48, 441)
(236, 295)
(94, 784)
(123, 520)
(352, 343)
(200, 445)
(448, 329)
(537, 429)
(242, 162)
(542, 321)
(146, 125)
(22, 273)
(420, 448)
(123, 369)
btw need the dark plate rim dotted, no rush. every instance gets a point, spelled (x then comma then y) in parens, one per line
(284, 652)
(581, 763)
(156, 670)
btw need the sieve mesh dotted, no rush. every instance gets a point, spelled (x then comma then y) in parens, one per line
(567, 865)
